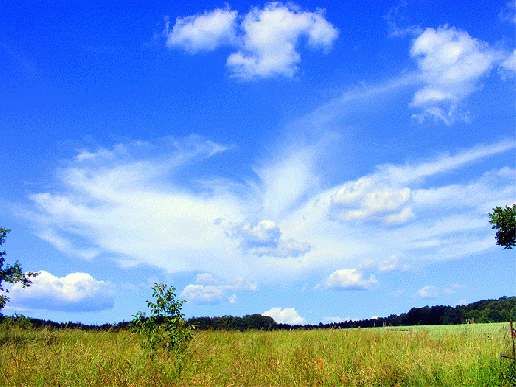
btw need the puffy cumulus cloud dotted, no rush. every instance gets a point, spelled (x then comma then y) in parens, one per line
(393, 194)
(451, 64)
(285, 316)
(75, 292)
(349, 279)
(266, 38)
(264, 238)
(209, 289)
(370, 198)
(269, 40)
(204, 32)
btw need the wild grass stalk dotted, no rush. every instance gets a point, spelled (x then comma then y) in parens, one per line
(432, 356)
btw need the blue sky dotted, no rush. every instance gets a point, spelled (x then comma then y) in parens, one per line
(311, 161)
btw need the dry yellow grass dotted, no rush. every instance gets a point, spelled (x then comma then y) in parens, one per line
(466, 355)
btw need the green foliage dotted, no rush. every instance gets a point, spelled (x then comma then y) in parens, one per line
(253, 321)
(16, 321)
(11, 274)
(165, 327)
(504, 220)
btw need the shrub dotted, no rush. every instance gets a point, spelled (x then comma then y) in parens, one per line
(165, 327)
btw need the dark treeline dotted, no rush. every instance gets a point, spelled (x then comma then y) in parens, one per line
(253, 321)
(23, 321)
(487, 311)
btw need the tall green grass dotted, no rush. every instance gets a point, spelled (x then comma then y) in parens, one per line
(467, 355)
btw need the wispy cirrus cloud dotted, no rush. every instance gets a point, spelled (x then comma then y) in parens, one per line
(288, 217)
(109, 195)
(106, 198)
(508, 66)
(266, 38)
(508, 13)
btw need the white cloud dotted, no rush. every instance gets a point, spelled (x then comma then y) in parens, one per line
(137, 204)
(285, 316)
(264, 238)
(74, 292)
(206, 279)
(473, 194)
(443, 163)
(451, 65)
(349, 279)
(204, 32)
(64, 244)
(369, 198)
(132, 203)
(508, 66)
(270, 38)
(267, 38)
(508, 13)
(210, 290)
(204, 294)
(428, 292)
(286, 179)
(397, 16)
(453, 288)
(392, 263)
(367, 263)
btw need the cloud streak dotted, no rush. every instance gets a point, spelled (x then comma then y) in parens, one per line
(140, 202)
(134, 207)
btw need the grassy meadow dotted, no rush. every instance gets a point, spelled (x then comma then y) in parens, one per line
(465, 355)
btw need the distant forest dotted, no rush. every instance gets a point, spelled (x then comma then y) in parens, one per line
(487, 311)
